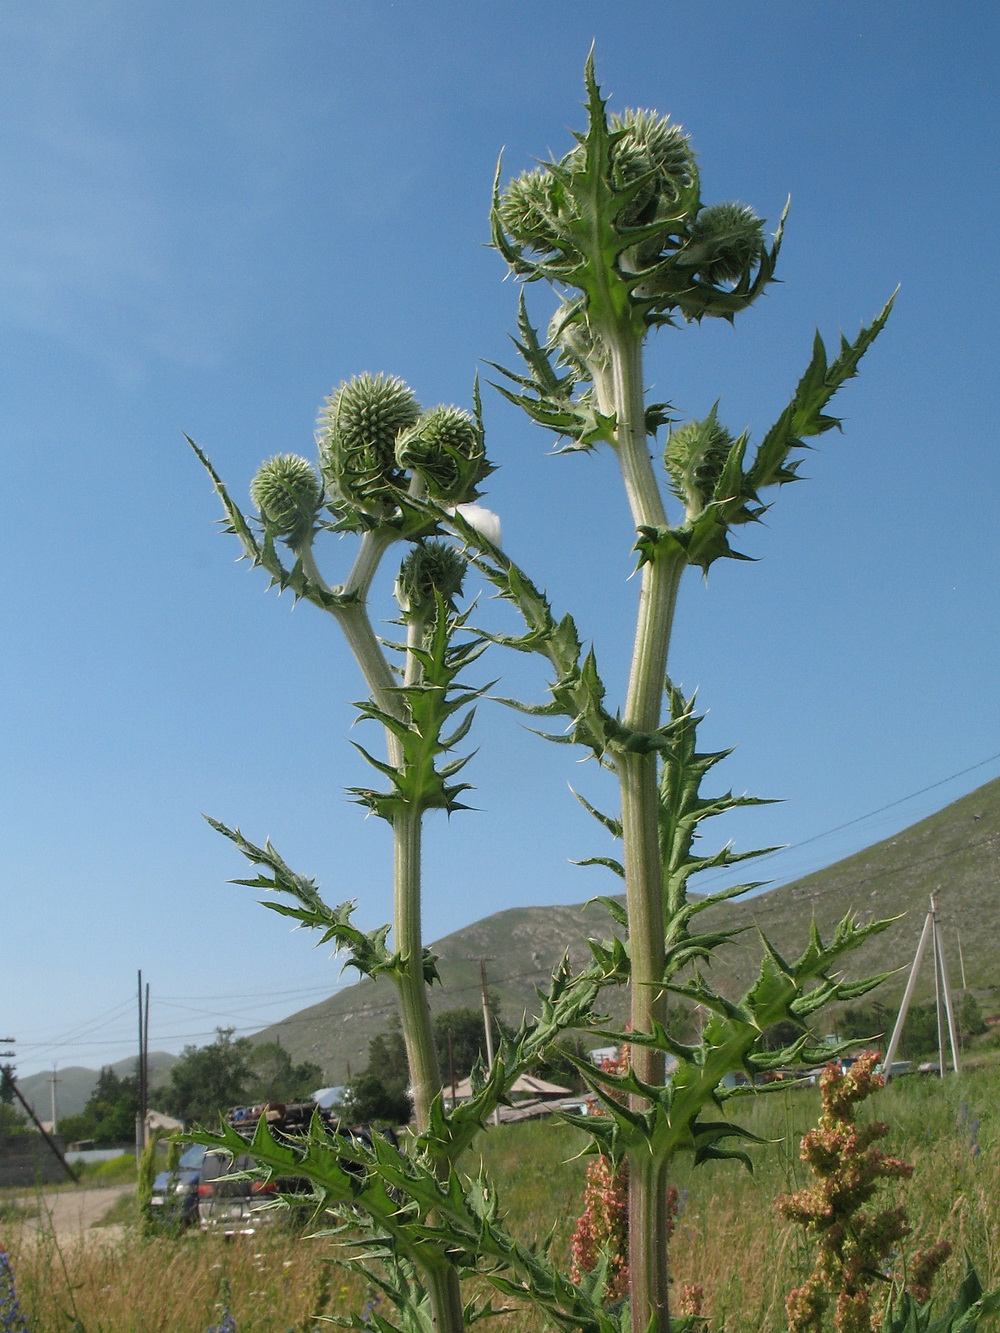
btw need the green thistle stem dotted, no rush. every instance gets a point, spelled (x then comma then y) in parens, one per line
(353, 620)
(637, 773)
(418, 1033)
(352, 616)
(649, 1220)
(373, 547)
(643, 493)
(416, 632)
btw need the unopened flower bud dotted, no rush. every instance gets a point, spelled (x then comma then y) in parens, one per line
(445, 449)
(431, 567)
(725, 241)
(356, 434)
(533, 211)
(694, 457)
(288, 495)
(652, 147)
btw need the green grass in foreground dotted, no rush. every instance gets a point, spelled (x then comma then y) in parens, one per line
(729, 1238)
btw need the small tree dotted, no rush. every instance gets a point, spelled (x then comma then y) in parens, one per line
(109, 1114)
(468, 1039)
(207, 1079)
(387, 1061)
(274, 1077)
(970, 1016)
(369, 1102)
(11, 1122)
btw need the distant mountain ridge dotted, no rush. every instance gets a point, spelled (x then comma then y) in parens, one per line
(955, 853)
(75, 1083)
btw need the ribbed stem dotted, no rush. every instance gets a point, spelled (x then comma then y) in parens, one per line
(418, 1033)
(443, 1288)
(447, 1312)
(648, 1218)
(373, 547)
(416, 632)
(353, 618)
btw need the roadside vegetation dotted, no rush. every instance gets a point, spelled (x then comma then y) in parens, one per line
(275, 1282)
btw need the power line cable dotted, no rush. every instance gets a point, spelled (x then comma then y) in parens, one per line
(859, 819)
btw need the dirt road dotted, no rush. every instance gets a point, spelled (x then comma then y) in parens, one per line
(71, 1213)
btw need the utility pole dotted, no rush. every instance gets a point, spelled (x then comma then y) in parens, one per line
(942, 993)
(53, 1080)
(142, 1069)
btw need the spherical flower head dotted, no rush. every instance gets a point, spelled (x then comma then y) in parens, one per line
(694, 457)
(533, 211)
(288, 495)
(446, 450)
(650, 146)
(432, 569)
(725, 241)
(356, 434)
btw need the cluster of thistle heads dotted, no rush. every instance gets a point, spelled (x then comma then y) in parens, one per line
(677, 249)
(378, 452)
(383, 463)
(629, 194)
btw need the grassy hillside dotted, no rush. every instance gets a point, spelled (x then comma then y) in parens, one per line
(955, 853)
(521, 945)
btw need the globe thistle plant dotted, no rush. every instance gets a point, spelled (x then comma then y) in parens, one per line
(445, 448)
(356, 433)
(618, 227)
(388, 474)
(288, 496)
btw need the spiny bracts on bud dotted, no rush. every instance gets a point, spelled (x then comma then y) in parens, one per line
(446, 450)
(356, 434)
(624, 206)
(432, 569)
(536, 209)
(694, 456)
(724, 241)
(651, 146)
(288, 495)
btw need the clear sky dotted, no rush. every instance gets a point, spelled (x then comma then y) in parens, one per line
(212, 214)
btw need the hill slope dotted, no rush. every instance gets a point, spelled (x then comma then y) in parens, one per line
(955, 853)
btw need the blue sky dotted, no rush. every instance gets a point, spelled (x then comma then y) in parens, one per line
(213, 214)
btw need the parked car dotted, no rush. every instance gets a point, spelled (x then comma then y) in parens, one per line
(175, 1193)
(241, 1206)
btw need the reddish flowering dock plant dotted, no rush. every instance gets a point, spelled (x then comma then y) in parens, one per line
(859, 1270)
